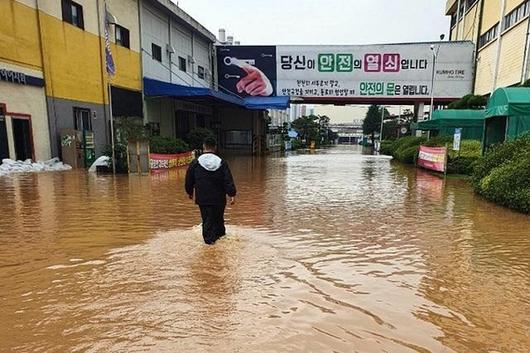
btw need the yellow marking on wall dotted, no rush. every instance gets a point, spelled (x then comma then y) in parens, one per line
(127, 64)
(19, 34)
(73, 61)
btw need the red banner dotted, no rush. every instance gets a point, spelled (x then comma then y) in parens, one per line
(167, 161)
(433, 158)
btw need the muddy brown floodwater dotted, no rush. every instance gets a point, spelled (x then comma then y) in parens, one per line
(327, 252)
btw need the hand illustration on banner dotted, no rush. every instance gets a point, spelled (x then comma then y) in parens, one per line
(255, 83)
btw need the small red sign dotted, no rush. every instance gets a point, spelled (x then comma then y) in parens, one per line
(433, 158)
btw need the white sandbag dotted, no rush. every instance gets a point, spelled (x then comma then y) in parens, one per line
(101, 161)
(10, 166)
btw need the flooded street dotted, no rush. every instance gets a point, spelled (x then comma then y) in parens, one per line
(328, 252)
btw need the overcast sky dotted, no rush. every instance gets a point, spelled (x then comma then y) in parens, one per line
(323, 22)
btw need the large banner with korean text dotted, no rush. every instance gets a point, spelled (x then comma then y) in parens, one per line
(379, 71)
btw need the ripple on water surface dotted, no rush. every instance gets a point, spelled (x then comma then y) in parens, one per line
(333, 251)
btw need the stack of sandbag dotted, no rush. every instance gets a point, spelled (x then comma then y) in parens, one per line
(10, 166)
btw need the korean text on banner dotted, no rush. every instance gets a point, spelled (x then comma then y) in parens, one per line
(433, 158)
(390, 71)
(168, 161)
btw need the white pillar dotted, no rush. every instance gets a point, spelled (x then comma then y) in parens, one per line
(419, 108)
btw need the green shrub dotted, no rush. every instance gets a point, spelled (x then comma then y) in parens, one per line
(503, 174)
(439, 141)
(167, 145)
(387, 147)
(461, 165)
(120, 153)
(468, 148)
(297, 144)
(196, 137)
(469, 101)
(509, 184)
(407, 155)
(499, 155)
(406, 148)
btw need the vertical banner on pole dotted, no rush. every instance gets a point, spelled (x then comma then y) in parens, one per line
(457, 139)
(111, 70)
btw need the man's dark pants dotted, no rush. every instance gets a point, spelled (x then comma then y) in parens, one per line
(213, 223)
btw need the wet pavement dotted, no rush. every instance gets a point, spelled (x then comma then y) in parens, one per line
(333, 251)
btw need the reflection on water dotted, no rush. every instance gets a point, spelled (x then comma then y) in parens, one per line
(333, 251)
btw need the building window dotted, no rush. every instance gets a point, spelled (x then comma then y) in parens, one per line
(200, 72)
(470, 3)
(82, 119)
(182, 64)
(489, 36)
(238, 138)
(73, 13)
(154, 128)
(156, 52)
(122, 36)
(459, 14)
(516, 15)
(462, 8)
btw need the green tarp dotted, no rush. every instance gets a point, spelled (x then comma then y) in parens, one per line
(507, 115)
(444, 122)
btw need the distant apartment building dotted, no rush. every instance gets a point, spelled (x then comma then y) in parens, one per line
(278, 117)
(499, 29)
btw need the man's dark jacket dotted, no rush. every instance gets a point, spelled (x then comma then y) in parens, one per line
(211, 179)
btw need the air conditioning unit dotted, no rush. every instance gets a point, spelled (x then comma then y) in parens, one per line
(170, 49)
(191, 60)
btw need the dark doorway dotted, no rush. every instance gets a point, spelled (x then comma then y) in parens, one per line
(4, 147)
(82, 119)
(182, 123)
(22, 139)
(495, 130)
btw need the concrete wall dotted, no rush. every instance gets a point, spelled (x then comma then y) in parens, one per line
(239, 119)
(61, 116)
(486, 69)
(163, 27)
(512, 55)
(491, 15)
(161, 110)
(30, 100)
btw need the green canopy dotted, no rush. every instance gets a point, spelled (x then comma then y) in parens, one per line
(507, 115)
(509, 101)
(446, 121)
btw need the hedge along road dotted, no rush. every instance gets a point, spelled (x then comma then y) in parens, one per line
(331, 251)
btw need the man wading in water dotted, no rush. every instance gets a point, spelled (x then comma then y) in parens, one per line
(211, 179)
